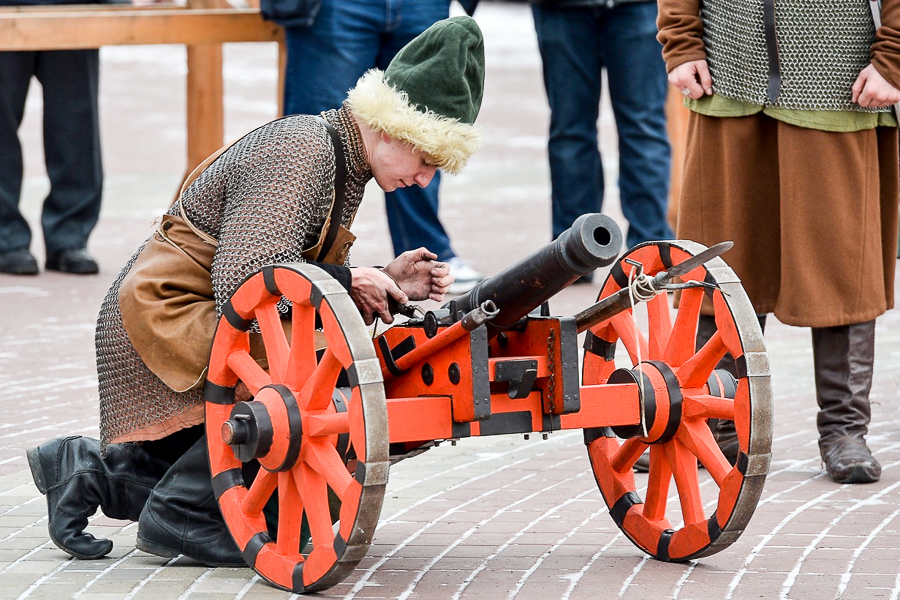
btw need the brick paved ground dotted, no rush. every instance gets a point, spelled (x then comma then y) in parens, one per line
(488, 518)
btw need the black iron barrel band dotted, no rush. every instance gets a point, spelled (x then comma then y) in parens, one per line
(269, 281)
(597, 346)
(622, 506)
(360, 474)
(662, 547)
(675, 400)
(297, 578)
(233, 318)
(253, 547)
(218, 394)
(295, 426)
(389, 358)
(226, 480)
(665, 255)
(713, 529)
(595, 433)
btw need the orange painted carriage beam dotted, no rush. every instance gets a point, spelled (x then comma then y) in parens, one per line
(428, 418)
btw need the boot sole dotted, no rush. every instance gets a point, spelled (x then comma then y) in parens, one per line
(859, 474)
(155, 549)
(161, 551)
(37, 469)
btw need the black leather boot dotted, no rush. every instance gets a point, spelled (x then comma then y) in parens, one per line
(182, 515)
(77, 480)
(844, 357)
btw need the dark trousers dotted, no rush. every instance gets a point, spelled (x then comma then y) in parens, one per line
(69, 79)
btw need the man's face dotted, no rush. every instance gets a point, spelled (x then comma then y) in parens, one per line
(396, 164)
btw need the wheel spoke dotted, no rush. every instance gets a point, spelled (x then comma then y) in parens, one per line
(276, 343)
(631, 336)
(682, 341)
(317, 391)
(290, 516)
(697, 369)
(246, 369)
(302, 359)
(659, 321)
(627, 454)
(315, 502)
(697, 437)
(684, 468)
(259, 493)
(658, 481)
(324, 459)
(704, 406)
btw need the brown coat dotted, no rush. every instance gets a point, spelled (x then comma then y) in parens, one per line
(813, 214)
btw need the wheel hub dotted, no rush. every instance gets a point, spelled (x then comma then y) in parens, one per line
(268, 429)
(660, 397)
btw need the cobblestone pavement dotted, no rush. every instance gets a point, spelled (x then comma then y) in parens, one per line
(488, 518)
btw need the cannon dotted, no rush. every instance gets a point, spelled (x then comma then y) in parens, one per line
(335, 408)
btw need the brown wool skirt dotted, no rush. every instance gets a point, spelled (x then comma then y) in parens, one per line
(813, 214)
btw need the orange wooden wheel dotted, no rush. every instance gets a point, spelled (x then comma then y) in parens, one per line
(298, 428)
(681, 391)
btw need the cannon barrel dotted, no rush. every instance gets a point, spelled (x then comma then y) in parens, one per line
(593, 241)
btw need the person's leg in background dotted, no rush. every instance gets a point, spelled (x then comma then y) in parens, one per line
(638, 87)
(16, 69)
(326, 59)
(569, 44)
(70, 79)
(412, 212)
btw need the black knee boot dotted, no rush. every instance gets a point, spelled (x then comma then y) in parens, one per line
(844, 357)
(76, 481)
(182, 516)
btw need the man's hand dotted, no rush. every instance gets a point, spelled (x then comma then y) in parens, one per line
(692, 79)
(871, 90)
(370, 289)
(420, 275)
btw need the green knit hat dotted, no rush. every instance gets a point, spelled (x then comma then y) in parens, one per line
(430, 94)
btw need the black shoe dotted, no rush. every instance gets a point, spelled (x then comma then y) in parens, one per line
(848, 460)
(73, 260)
(18, 262)
(181, 516)
(77, 480)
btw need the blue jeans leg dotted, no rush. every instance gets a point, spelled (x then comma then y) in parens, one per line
(325, 61)
(638, 87)
(572, 68)
(576, 44)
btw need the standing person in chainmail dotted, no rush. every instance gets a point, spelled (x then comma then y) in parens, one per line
(266, 199)
(793, 155)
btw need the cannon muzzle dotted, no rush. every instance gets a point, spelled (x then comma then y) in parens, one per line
(593, 241)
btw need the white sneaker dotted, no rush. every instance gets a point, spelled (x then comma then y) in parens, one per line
(466, 276)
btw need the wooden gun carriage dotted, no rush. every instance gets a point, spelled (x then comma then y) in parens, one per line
(335, 407)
